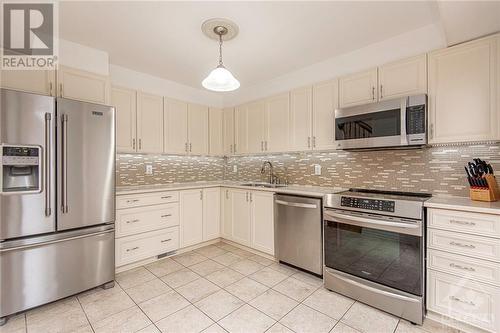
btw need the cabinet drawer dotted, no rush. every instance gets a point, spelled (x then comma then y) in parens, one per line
(142, 219)
(473, 246)
(138, 200)
(477, 224)
(473, 302)
(476, 269)
(146, 245)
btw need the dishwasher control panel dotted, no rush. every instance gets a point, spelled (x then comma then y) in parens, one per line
(369, 204)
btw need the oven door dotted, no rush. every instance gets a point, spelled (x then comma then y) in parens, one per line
(385, 250)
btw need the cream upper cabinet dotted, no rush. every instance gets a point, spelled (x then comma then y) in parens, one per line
(276, 123)
(191, 217)
(125, 103)
(241, 129)
(84, 86)
(216, 133)
(358, 88)
(325, 101)
(464, 92)
(228, 130)
(256, 126)
(403, 78)
(176, 126)
(301, 115)
(149, 123)
(198, 129)
(262, 221)
(41, 82)
(240, 216)
(211, 213)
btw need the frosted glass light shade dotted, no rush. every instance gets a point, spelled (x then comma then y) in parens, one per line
(220, 79)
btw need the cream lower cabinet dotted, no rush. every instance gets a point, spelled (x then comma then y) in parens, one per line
(125, 102)
(463, 267)
(464, 97)
(199, 215)
(249, 218)
(82, 85)
(41, 82)
(147, 225)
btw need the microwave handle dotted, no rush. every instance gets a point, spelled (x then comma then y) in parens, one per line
(404, 107)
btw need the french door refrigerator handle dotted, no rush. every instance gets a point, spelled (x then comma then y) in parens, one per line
(47, 166)
(64, 160)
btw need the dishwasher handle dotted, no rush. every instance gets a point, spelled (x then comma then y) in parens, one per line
(296, 204)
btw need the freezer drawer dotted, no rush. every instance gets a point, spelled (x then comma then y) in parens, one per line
(35, 274)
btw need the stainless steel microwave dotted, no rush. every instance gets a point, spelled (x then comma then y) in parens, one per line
(393, 123)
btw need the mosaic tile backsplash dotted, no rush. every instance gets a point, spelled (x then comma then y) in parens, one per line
(436, 170)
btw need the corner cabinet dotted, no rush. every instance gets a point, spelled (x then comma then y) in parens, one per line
(464, 83)
(125, 103)
(149, 123)
(82, 85)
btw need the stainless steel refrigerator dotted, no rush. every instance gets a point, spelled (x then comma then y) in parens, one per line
(57, 202)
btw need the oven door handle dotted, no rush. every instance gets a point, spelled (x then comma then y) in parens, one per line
(348, 219)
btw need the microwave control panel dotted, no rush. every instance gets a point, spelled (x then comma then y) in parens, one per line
(415, 119)
(369, 204)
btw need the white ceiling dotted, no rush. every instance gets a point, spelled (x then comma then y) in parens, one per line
(164, 38)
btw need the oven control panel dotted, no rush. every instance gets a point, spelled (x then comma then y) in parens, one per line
(369, 204)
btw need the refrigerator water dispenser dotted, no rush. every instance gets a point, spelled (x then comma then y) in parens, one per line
(21, 169)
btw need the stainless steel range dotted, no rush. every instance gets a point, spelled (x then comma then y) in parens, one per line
(374, 249)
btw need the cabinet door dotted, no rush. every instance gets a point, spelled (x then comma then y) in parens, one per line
(176, 126)
(37, 81)
(301, 119)
(241, 129)
(228, 129)
(262, 221)
(149, 123)
(463, 92)
(82, 85)
(277, 116)
(198, 129)
(240, 216)
(227, 222)
(325, 102)
(403, 78)
(211, 213)
(191, 217)
(216, 134)
(255, 127)
(124, 101)
(359, 88)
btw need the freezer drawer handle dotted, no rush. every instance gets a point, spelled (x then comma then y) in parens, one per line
(133, 221)
(48, 208)
(133, 249)
(469, 246)
(295, 204)
(166, 240)
(166, 215)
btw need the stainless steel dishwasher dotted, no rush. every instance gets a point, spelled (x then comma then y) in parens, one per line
(299, 232)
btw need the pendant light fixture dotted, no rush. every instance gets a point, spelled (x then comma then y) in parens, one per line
(220, 79)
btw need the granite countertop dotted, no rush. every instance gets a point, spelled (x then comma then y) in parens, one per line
(463, 204)
(307, 190)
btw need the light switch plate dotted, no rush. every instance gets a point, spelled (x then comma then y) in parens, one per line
(149, 169)
(317, 170)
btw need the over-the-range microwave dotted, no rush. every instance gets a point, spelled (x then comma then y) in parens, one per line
(397, 122)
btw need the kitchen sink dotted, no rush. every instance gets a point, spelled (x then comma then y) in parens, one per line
(266, 185)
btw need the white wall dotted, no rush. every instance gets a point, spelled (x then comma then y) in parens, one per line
(83, 57)
(405, 45)
(128, 78)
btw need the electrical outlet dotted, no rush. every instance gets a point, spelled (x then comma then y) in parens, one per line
(235, 168)
(149, 169)
(317, 170)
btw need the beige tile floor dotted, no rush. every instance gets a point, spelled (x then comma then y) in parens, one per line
(217, 288)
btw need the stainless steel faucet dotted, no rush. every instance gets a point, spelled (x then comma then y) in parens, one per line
(271, 172)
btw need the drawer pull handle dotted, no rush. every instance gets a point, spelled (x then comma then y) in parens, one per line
(166, 215)
(462, 222)
(166, 240)
(470, 269)
(133, 249)
(454, 298)
(133, 221)
(469, 246)
(166, 197)
(132, 201)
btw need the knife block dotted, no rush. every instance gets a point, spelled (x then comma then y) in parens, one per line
(490, 194)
